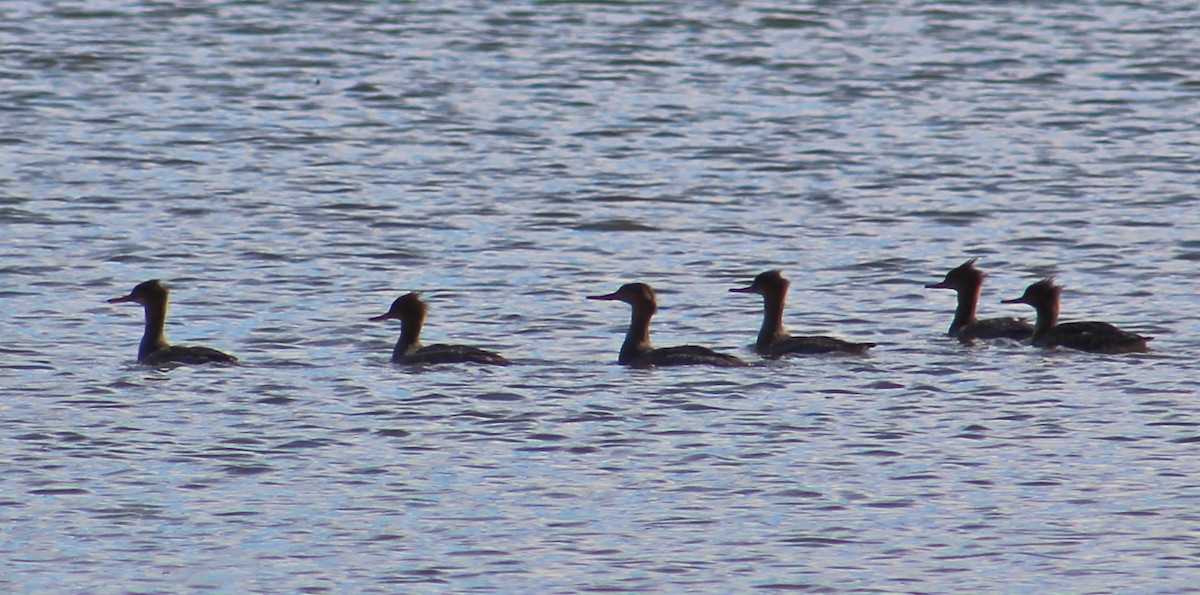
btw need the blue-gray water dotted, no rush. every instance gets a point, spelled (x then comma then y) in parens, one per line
(290, 168)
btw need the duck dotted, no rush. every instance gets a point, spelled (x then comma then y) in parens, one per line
(1095, 337)
(637, 351)
(773, 340)
(154, 350)
(410, 310)
(967, 281)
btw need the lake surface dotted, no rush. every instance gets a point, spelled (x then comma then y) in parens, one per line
(291, 168)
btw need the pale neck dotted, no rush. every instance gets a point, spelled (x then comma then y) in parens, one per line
(637, 338)
(964, 314)
(1047, 318)
(410, 337)
(154, 337)
(772, 326)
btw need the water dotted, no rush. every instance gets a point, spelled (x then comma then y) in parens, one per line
(291, 168)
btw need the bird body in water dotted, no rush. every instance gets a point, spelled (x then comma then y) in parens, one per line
(967, 281)
(1096, 337)
(637, 351)
(773, 340)
(410, 310)
(154, 350)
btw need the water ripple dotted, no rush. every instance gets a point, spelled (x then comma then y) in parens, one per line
(290, 171)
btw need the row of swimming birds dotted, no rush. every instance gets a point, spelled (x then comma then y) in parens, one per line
(773, 341)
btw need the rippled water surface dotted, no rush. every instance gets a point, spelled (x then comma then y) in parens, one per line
(290, 168)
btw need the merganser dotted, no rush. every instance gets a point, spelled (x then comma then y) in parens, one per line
(411, 311)
(637, 350)
(967, 281)
(154, 349)
(1096, 337)
(773, 340)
